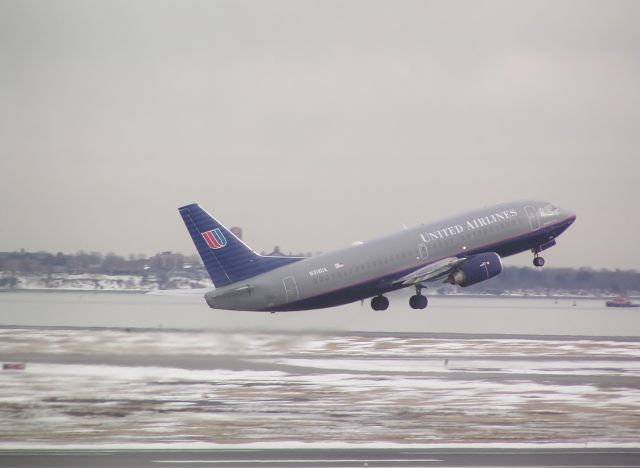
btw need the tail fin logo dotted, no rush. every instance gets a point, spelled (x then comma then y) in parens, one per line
(214, 239)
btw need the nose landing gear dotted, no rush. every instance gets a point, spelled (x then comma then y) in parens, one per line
(537, 260)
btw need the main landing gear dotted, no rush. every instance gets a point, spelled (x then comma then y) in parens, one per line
(418, 301)
(538, 261)
(380, 303)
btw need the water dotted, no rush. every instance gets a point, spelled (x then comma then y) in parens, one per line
(524, 316)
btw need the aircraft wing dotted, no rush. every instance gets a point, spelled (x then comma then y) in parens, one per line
(431, 272)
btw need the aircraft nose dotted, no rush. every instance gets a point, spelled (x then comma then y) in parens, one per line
(568, 215)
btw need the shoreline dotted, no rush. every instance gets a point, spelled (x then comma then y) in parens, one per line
(457, 296)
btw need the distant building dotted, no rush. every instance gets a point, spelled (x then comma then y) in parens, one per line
(237, 231)
(167, 261)
(277, 252)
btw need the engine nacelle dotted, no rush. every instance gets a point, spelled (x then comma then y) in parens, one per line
(478, 268)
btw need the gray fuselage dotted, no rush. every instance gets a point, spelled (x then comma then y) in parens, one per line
(369, 268)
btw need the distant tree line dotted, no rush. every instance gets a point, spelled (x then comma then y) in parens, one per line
(95, 262)
(569, 280)
(165, 264)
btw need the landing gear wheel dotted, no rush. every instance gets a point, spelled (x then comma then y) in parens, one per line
(418, 301)
(538, 261)
(379, 303)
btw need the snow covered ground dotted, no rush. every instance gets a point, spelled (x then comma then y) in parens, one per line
(85, 386)
(99, 282)
(210, 342)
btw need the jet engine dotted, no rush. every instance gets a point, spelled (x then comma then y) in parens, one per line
(478, 268)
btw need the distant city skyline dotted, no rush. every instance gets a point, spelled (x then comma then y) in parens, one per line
(314, 124)
(169, 270)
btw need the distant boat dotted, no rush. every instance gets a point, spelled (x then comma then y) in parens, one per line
(621, 301)
(14, 366)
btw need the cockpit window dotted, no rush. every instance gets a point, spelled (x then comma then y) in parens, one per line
(549, 210)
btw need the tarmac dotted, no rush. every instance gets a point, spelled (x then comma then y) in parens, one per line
(320, 458)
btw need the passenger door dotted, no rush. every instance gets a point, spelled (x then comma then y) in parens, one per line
(290, 289)
(532, 215)
(423, 250)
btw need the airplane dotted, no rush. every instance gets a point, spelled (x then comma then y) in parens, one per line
(461, 250)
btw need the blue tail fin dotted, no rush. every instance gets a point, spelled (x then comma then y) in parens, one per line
(226, 258)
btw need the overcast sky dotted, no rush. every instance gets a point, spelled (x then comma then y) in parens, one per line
(315, 124)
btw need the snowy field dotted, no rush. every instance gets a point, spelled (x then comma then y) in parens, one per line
(114, 386)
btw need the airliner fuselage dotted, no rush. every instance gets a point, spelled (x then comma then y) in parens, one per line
(461, 250)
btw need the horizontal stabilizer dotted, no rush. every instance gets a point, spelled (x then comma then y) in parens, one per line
(239, 291)
(187, 292)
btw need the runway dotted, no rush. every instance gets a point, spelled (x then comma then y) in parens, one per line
(368, 457)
